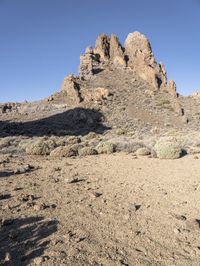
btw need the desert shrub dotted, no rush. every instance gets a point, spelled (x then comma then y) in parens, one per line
(87, 151)
(168, 149)
(61, 141)
(105, 147)
(51, 143)
(24, 143)
(76, 147)
(164, 104)
(40, 147)
(73, 140)
(127, 146)
(5, 142)
(63, 151)
(143, 151)
(121, 131)
(91, 135)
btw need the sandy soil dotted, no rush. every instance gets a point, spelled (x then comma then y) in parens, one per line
(99, 210)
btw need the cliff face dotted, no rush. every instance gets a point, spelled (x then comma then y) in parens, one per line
(136, 55)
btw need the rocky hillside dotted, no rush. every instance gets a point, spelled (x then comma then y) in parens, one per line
(118, 86)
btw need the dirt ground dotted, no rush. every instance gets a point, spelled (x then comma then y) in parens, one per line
(99, 210)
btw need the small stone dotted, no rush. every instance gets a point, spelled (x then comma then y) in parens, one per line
(177, 230)
(97, 194)
(26, 197)
(143, 152)
(39, 207)
(81, 238)
(134, 207)
(7, 257)
(73, 180)
(38, 260)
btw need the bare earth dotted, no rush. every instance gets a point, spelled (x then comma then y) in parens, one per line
(99, 210)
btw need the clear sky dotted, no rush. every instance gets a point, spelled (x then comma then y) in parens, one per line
(41, 40)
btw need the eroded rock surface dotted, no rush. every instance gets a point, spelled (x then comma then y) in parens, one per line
(136, 55)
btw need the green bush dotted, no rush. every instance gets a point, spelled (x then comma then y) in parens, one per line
(63, 151)
(40, 147)
(168, 150)
(105, 147)
(87, 151)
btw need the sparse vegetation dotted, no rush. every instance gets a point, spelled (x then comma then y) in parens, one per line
(105, 147)
(63, 151)
(121, 131)
(168, 149)
(39, 147)
(87, 151)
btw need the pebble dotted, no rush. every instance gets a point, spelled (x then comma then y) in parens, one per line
(7, 257)
(97, 194)
(38, 260)
(23, 170)
(39, 207)
(177, 231)
(73, 180)
(134, 207)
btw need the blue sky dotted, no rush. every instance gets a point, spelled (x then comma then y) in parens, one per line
(41, 40)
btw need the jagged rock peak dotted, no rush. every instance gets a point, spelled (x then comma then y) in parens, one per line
(103, 46)
(136, 55)
(137, 41)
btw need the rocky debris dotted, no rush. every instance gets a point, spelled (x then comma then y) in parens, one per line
(25, 169)
(76, 93)
(95, 95)
(9, 107)
(196, 94)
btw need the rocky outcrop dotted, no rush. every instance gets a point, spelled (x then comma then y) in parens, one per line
(77, 93)
(171, 88)
(196, 94)
(95, 95)
(72, 89)
(142, 61)
(136, 55)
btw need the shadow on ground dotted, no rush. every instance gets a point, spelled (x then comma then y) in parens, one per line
(24, 239)
(5, 173)
(77, 121)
